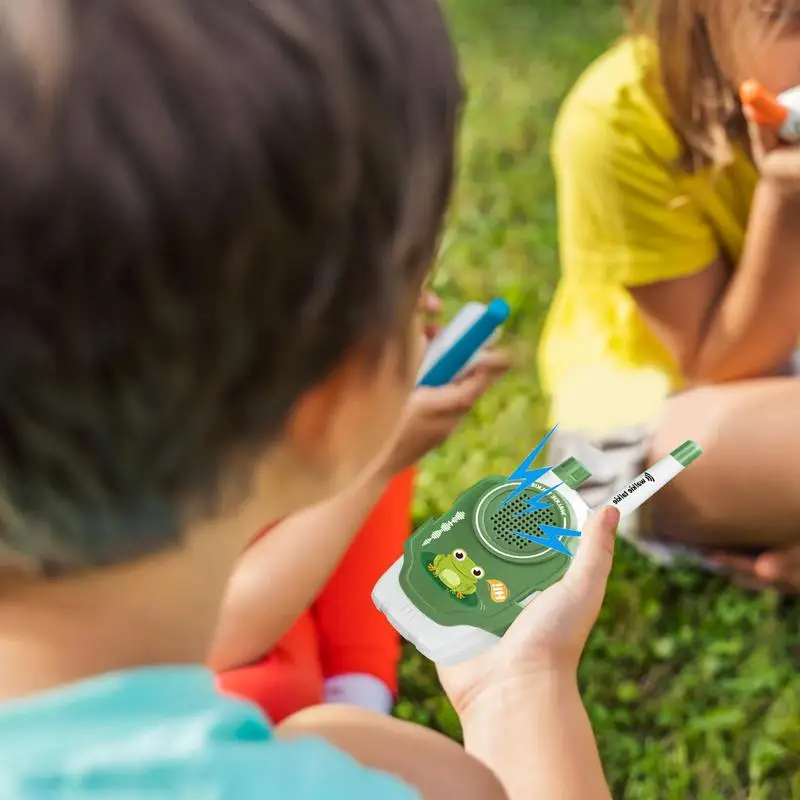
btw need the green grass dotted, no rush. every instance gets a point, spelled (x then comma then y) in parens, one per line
(692, 686)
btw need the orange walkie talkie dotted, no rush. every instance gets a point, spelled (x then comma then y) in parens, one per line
(781, 113)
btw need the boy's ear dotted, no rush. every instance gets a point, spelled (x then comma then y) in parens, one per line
(309, 431)
(338, 427)
(322, 422)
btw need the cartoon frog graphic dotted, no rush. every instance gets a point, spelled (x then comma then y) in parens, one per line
(460, 574)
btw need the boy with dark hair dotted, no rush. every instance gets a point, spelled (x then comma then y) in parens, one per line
(215, 223)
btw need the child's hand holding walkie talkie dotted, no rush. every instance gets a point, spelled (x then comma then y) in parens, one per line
(454, 373)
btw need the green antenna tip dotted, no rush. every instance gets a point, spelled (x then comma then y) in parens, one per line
(689, 451)
(572, 472)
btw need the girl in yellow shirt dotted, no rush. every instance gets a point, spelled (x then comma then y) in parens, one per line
(678, 309)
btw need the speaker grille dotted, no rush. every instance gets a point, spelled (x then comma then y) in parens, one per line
(497, 524)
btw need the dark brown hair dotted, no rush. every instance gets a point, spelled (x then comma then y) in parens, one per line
(206, 205)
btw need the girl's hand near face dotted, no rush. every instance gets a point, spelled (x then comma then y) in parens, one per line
(722, 324)
(778, 163)
(751, 326)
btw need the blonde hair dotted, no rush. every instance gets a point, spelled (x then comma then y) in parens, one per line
(690, 34)
(703, 106)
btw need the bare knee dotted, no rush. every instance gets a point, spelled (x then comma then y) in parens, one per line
(750, 434)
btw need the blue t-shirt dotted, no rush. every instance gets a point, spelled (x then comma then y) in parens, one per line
(167, 732)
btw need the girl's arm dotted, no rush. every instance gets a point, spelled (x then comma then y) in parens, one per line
(722, 329)
(279, 577)
(281, 574)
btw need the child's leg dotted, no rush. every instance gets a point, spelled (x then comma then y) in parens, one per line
(287, 679)
(745, 490)
(359, 650)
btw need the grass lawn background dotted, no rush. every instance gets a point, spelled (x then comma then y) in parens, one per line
(692, 686)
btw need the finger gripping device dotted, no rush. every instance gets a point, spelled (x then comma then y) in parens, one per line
(464, 577)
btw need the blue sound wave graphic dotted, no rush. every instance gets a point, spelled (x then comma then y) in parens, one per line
(525, 474)
(550, 537)
(538, 501)
(550, 534)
